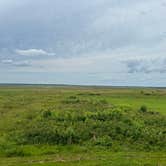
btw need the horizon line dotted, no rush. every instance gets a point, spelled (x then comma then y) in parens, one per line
(81, 85)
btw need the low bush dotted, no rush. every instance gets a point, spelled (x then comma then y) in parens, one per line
(102, 127)
(47, 114)
(143, 109)
(103, 141)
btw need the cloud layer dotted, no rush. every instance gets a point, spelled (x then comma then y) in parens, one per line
(116, 40)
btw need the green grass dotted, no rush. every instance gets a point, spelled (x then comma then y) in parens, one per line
(95, 158)
(90, 122)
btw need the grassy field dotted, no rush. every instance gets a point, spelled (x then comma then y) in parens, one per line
(49, 125)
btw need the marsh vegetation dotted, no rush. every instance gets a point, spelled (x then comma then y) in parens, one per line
(46, 121)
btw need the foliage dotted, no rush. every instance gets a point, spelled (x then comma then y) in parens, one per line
(143, 108)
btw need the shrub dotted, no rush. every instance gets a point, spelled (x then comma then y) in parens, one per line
(11, 150)
(47, 114)
(143, 108)
(104, 141)
(70, 136)
(15, 152)
(71, 100)
(101, 127)
(72, 97)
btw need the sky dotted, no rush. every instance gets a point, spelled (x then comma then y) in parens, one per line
(83, 42)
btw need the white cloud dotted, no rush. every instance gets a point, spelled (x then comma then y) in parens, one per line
(6, 61)
(32, 52)
(22, 64)
(14, 63)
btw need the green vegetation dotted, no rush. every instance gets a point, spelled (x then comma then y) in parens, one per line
(82, 126)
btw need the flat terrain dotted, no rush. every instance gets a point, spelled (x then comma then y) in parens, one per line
(72, 125)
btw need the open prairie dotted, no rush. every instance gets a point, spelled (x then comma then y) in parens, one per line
(74, 125)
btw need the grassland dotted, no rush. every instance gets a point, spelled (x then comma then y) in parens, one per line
(49, 125)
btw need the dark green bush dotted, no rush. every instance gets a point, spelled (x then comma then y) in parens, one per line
(47, 114)
(9, 150)
(143, 109)
(103, 141)
(71, 100)
(15, 152)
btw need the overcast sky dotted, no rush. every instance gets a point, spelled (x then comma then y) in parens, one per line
(91, 42)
